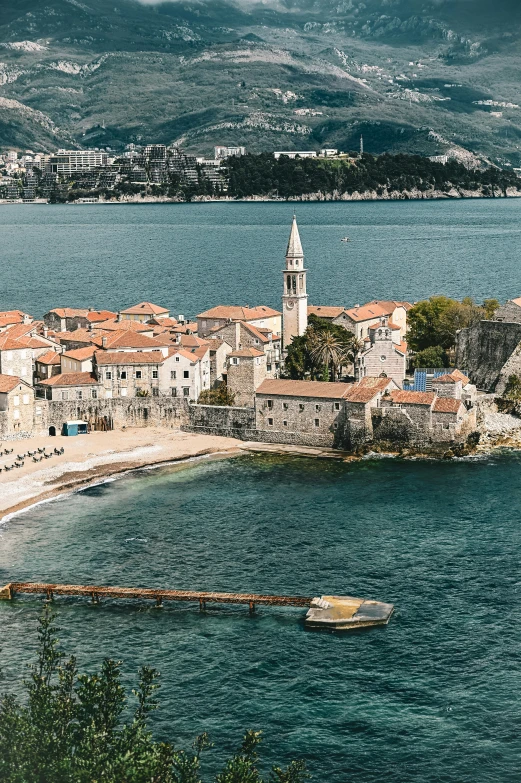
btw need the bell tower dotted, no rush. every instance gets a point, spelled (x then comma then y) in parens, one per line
(294, 296)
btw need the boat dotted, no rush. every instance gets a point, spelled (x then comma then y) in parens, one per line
(345, 239)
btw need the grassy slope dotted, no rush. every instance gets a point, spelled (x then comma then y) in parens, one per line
(208, 73)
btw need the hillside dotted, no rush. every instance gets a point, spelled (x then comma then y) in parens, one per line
(411, 76)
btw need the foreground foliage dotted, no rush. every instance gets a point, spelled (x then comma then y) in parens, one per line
(221, 395)
(73, 729)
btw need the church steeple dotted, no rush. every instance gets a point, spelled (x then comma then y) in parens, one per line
(294, 296)
(294, 245)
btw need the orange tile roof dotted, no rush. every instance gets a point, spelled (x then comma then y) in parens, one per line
(13, 314)
(185, 328)
(248, 353)
(70, 312)
(367, 388)
(236, 313)
(460, 377)
(366, 312)
(100, 315)
(194, 357)
(71, 379)
(79, 336)
(452, 377)
(8, 383)
(129, 357)
(20, 330)
(126, 339)
(145, 308)
(447, 405)
(517, 301)
(113, 325)
(401, 347)
(165, 322)
(325, 312)
(312, 389)
(8, 343)
(80, 354)
(51, 357)
(413, 397)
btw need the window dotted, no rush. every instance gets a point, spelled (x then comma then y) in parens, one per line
(317, 408)
(270, 422)
(173, 375)
(94, 394)
(383, 358)
(285, 423)
(174, 391)
(337, 406)
(269, 404)
(124, 392)
(155, 374)
(186, 391)
(186, 373)
(177, 358)
(79, 394)
(16, 415)
(155, 392)
(138, 374)
(317, 422)
(65, 395)
(108, 375)
(335, 426)
(38, 411)
(268, 367)
(16, 400)
(285, 406)
(123, 375)
(234, 360)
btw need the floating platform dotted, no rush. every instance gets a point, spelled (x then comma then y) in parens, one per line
(345, 613)
(329, 612)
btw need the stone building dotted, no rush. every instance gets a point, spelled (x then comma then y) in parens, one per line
(144, 311)
(186, 373)
(361, 399)
(261, 316)
(70, 386)
(18, 356)
(422, 419)
(47, 365)
(361, 318)
(128, 373)
(382, 356)
(68, 319)
(79, 360)
(457, 386)
(307, 412)
(510, 311)
(219, 351)
(17, 408)
(294, 296)
(246, 372)
(241, 334)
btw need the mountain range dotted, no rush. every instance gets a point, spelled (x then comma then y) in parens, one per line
(421, 76)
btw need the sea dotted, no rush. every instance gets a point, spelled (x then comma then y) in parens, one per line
(433, 697)
(189, 257)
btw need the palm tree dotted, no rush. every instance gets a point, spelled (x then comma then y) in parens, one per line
(326, 350)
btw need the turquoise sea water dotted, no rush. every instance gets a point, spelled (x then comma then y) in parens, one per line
(434, 696)
(192, 256)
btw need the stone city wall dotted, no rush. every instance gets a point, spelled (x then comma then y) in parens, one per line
(483, 350)
(220, 420)
(116, 413)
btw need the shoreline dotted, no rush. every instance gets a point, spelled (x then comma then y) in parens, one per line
(355, 197)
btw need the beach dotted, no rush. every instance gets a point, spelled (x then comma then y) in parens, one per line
(88, 459)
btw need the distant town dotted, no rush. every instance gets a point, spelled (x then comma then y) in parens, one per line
(156, 172)
(241, 371)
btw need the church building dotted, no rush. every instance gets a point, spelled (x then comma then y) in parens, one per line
(294, 297)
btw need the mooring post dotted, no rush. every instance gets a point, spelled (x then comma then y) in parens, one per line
(49, 595)
(252, 607)
(95, 598)
(159, 602)
(202, 605)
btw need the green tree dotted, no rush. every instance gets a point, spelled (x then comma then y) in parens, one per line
(76, 728)
(321, 351)
(435, 321)
(434, 356)
(327, 350)
(221, 395)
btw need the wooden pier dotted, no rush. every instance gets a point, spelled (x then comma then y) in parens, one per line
(329, 612)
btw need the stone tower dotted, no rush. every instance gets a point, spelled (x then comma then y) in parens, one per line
(294, 297)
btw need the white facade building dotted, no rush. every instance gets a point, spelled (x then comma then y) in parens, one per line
(294, 297)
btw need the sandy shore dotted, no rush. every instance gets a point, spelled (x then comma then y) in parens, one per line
(89, 459)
